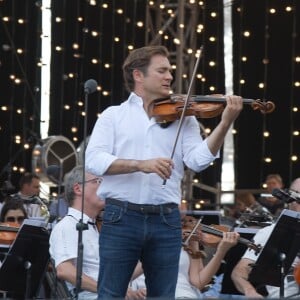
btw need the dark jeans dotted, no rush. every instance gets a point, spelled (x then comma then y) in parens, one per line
(128, 236)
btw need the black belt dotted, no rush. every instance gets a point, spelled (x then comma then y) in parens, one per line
(166, 208)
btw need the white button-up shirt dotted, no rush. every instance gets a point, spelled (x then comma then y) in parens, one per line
(64, 244)
(126, 132)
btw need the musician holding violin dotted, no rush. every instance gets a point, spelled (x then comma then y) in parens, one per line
(193, 275)
(13, 211)
(142, 173)
(12, 216)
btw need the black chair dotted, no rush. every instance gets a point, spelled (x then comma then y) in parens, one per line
(58, 287)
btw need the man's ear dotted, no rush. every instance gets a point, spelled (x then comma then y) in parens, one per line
(77, 188)
(138, 75)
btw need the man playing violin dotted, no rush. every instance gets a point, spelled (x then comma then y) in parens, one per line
(132, 152)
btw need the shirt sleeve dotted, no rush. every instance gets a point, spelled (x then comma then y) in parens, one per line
(196, 153)
(63, 244)
(100, 146)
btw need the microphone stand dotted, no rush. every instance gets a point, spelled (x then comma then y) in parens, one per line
(59, 188)
(90, 86)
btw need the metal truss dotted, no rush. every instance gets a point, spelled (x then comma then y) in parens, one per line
(173, 23)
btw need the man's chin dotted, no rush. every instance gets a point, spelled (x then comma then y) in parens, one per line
(166, 92)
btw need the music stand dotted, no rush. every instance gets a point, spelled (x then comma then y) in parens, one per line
(279, 252)
(209, 217)
(23, 267)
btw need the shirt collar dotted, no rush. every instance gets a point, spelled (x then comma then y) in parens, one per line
(77, 215)
(134, 98)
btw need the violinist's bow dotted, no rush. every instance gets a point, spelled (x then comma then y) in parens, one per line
(186, 242)
(185, 105)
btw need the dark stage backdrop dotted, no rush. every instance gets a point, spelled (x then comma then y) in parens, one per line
(92, 41)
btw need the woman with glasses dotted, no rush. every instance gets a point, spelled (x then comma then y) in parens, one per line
(13, 211)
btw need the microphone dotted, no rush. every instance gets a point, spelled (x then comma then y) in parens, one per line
(287, 196)
(90, 86)
(295, 195)
(53, 172)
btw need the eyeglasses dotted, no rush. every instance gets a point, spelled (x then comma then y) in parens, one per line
(97, 180)
(19, 219)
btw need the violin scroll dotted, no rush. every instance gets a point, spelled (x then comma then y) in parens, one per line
(264, 107)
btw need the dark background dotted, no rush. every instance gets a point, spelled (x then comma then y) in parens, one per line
(271, 51)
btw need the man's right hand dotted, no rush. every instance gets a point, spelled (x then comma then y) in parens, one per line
(161, 166)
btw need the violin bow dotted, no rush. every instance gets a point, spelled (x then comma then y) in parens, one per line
(192, 232)
(185, 105)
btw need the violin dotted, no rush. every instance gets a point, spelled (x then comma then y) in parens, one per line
(170, 108)
(212, 235)
(297, 273)
(8, 232)
(206, 238)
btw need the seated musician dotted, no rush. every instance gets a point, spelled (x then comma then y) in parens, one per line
(193, 275)
(274, 205)
(13, 211)
(29, 189)
(64, 236)
(242, 270)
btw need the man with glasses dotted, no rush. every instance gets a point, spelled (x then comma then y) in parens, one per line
(64, 236)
